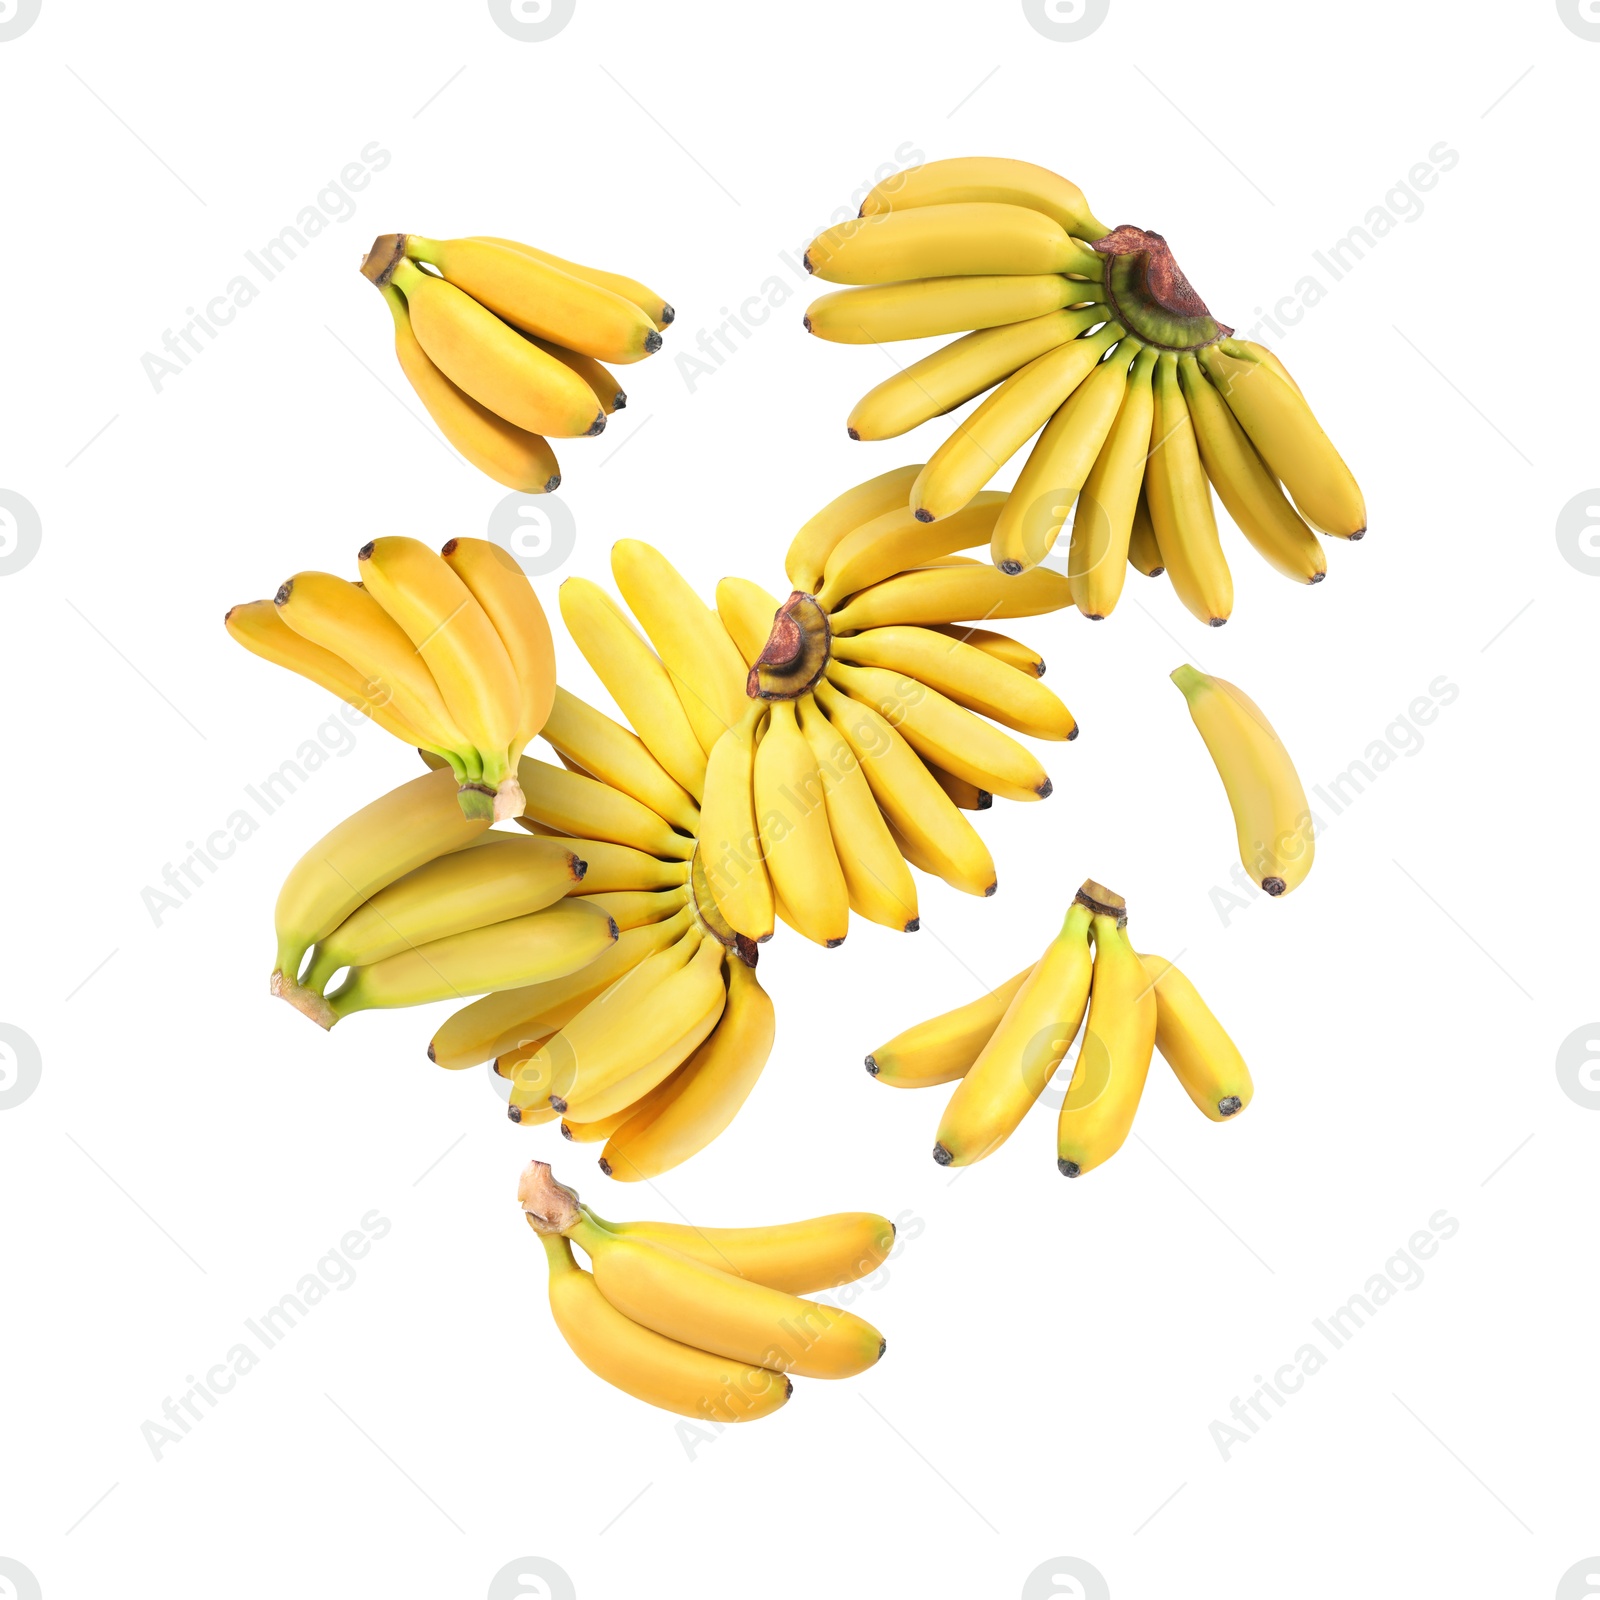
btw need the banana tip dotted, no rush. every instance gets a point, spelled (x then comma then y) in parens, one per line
(1044, 791)
(942, 1156)
(605, 1166)
(1074, 734)
(883, 1344)
(806, 262)
(872, 1066)
(1229, 1105)
(853, 434)
(914, 924)
(833, 944)
(652, 342)
(566, 1132)
(1011, 568)
(514, 1113)
(922, 515)
(806, 323)
(597, 426)
(1360, 533)
(991, 889)
(1216, 622)
(431, 1056)
(559, 1104)
(552, 483)
(667, 314)
(1068, 1169)
(1274, 886)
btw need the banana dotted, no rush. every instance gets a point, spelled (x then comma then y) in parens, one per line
(1024, 1050)
(967, 796)
(636, 908)
(796, 844)
(540, 298)
(747, 612)
(796, 1257)
(466, 889)
(1097, 560)
(1113, 1060)
(967, 675)
(1291, 441)
(1144, 553)
(897, 541)
(367, 852)
(583, 807)
(810, 548)
(706, 668)
(687, 1111)
(619, 757)
(926, 308)
(999, 645)
(609, 394)
(508, 454)
(732, 1317)
(660, 1371)
(943, 1048)
(635, 678)
(960, 239)
(1247, 350)
(730, 838)
(1016, 183)
(1057, 468)
(500, 586)
(1246, 486)
(1273, 822)
(599, 1131)
(928, 596)
(505, 955)
(495, 364)
(946, 734)
(647, 300)
(454, 637)
(909, 795)
(880, 884)
(982, 443)
(1179, 499)
(953, 375)
(619, 866)
(1194, 1044)
(258, 627)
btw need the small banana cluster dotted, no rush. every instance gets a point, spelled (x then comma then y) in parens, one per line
(705, 1322)
(449, 652)
(1094, 336)
(503, 344)
(1005, 1047)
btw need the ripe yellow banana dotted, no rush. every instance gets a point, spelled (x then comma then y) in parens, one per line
(810, 548)
(1113, 1060)
(1179, 499)
(1016, 183)
(583, 807)
(730, 838)
(943, 1048)
(928, 596)
(619, 866)
(1144, 553)
(747, 612)
(1097, 560)
(608, 393)
(1194, 1044)
(618, 756)
(1270, 814)
(927, 308)
(1024, 1050)
(999, 645)
(647, 300)
(898, 541)
(635, 908)
(494, 363)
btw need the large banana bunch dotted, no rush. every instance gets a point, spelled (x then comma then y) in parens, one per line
(706, 1322)
(1003, 1048)
(503, 344)
(1093, 339)
(450, 652)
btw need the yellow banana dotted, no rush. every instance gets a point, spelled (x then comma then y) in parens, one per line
(928, 596)
(636, 908)
(810, 548)
(880, 884)
(943, 1048)
(617, 756)
(730, 838)
(507, 453)
(1097, 561)
(927, 308)
(494, 363)
(953, 375)
(968, 796)
(647, 300)
(1016, 183)
(635, 678)
(620, 866)
(1194, 1044)
(897, 541)
(982, 443)
(959, 239)
(583, 807)
(747, 612)
(593, 1132)
(610, 394)
(1271, 818)
(1179, 499)
(1024, 1050)
(999, 645)
(1113, 1060)
(1144, 553)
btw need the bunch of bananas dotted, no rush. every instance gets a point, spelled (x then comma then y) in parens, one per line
(1094, 336)
(449, 652)
(1005, 1047)
(706, 1322)
(503, 344)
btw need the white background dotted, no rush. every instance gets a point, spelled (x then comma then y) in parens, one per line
(1057, 1352)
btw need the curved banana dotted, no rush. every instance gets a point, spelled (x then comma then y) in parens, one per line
(612, 867)
(898, 541)
(943, 1048)
(1016, 183)
(583, 807)
(999, 645)
(1194, 1044)
(608, 393)
(637, 908)
(1144, 553)
(928, 596)
(1273, 822)
(810, 548)
(617, 756)
(927, 308)
(647, 300)
(730, 838)
(747, 612)
(1179, 499)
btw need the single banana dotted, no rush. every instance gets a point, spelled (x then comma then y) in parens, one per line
(810, 548)
(898, 541)
(1024, 1050)
(1016, 183)
(943, 1048)
(1179, 500)
(1246, 485)
(1097, 561)
(599, 1131)
(1114, 1058)
(927, 308)
(1194, 1044)
(1291, 440)
(1270, 814)
(494, 363)
(730, 837)
(999, 645)
(647, 300)
(1144, 553)
(583, 807)
(617, 756)
(928, 596)
(637, 908)
(747, 612)
(612, 867)
(608, 393)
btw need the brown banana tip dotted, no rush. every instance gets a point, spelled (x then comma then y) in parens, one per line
(863, 210)
(942, 1156)
(1229, 1104)
(1011, 568)
(833, 944)
(1360, 533)
(448, 548)
(853, 434)
(611, 922)
(1216, 622)
(431, 1056)
(806, 322)
(883, 1344)
(605, 1166)
(1045, 789)
(1155, 572)
(365, 552)
(281, 598)
(1274, 886)
(986, 800)
(668, 315)
(922, 516)
(579, 868)
(763, 939)
(552, 483)
(788, 1387)
(515, 1113)
(991, 889)
(1316, 577)
(1068, 1169)
(1074, 734)
(872, 1066)
(559, 1104)
(597, 426)
(1095, 616)
(652, 342)
(619, 401)
(913, 925)
(894, 1233)
(806, 262)
(566, 1132)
